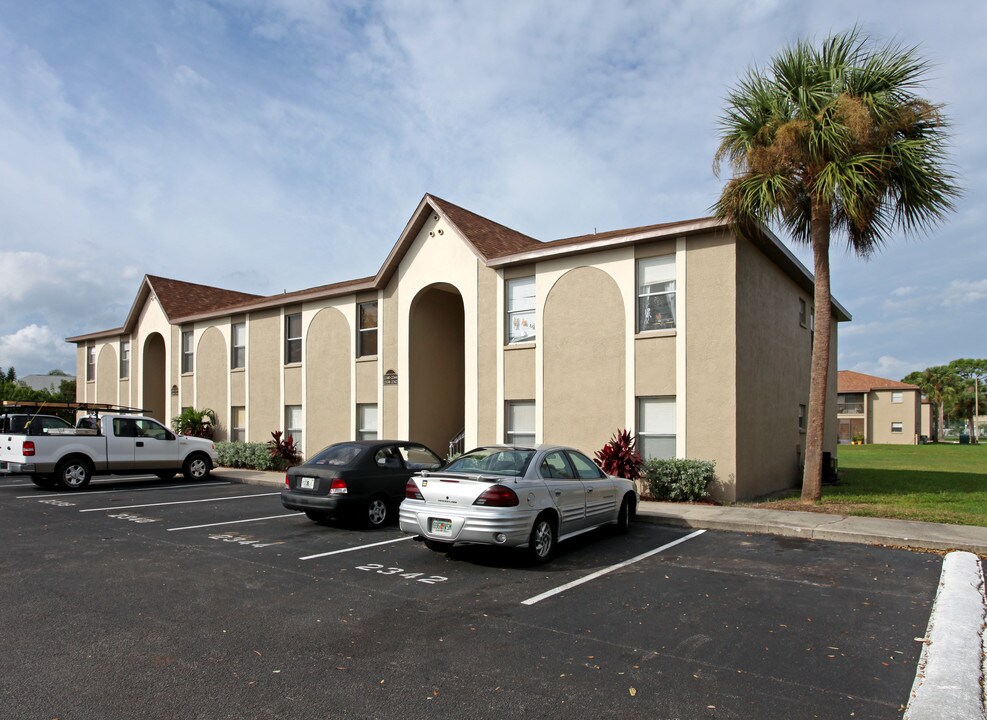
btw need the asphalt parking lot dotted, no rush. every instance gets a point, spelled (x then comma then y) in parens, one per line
(143, 598)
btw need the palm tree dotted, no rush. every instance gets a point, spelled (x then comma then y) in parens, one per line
(940, 384)
(826, 139)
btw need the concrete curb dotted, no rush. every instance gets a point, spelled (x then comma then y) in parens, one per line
(949, 682)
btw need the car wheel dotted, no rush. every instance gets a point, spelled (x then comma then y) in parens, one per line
(196, 467)
(73, 474)
(542, 541)
(166, 475)
(43, 481)
(625, 516)
(378, 513)
(438, 546)
(318, 516)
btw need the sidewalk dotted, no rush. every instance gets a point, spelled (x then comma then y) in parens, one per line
(787, 523)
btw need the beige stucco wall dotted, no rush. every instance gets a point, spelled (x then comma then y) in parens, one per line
(584, 360)
(211, 362)
(367, 380)
(710, 357)
(107, 372)
(293, 384)
(238, 387)
(881, 412)
(264, 370)
(654, 366)
(487, 339)
(388, 353)
(519, 373)
(926, 420)
(328, 367)
(81, 386)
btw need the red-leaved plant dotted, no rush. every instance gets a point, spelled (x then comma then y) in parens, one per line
(283, 450)
(620, 456)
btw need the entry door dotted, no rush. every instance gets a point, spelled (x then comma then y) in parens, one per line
(155, 446)
(566, 490)
(120, 443)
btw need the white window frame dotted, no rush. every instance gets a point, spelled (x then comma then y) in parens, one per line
(897, 397)
(518, 435)
(519, 318)
(803, 311)
(363, 333)
(897, 427)
(292, 341)
(238, 431)
(188, 352)
(367, 421)
(645, 292)
(645, 433)
(90, 363)
(241, 356)
(293, 421)
(124, 359)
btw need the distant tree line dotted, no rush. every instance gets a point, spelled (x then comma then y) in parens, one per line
(956, 392)
(12, 389)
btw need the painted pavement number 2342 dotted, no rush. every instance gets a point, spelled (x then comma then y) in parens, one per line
(400, 572)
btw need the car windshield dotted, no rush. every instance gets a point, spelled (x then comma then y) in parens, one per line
(337, 455)
(494, 461)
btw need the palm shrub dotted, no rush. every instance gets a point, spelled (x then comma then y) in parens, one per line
(283, 451)
(679, 480)
(620, 457)
(198, 423)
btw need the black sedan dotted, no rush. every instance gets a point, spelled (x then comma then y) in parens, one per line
(363, 478)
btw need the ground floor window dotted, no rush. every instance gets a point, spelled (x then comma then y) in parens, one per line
(238, 423)
(366, 422)
(656, 427)
(519, 422)
(293, 423)
(897, 427)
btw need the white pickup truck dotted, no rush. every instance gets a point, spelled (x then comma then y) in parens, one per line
(105, 445)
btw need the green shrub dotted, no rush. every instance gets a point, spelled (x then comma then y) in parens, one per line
(255, 456)
(197, 423)
(679, 480)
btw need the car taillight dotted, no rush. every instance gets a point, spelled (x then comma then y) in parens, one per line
(338, 487)
(411, 491)
(287, 482)
(28, 448)
(497, 496)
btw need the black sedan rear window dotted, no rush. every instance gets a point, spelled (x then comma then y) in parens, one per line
(495, 461)
(337, 455)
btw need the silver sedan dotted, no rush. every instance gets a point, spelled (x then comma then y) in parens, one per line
(531, 497)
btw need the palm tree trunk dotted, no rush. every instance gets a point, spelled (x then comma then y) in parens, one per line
(819, 377)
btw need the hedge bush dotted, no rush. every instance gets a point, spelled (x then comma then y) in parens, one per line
(254, 455)
(679, 480)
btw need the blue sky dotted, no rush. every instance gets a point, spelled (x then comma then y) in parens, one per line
(264, 145)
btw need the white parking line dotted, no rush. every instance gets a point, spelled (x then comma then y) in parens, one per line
(234, 522)
(86, 493)
(179, 502)
(604, 571)
(361, 547)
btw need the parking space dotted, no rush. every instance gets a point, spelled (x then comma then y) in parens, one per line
(214, 586)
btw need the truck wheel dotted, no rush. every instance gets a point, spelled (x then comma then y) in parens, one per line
(43, 481)
(196, 467)
(73, 474)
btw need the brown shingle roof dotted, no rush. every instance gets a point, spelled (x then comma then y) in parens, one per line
(491, 239)
(849, 381)
(180, 299)
(618, 233)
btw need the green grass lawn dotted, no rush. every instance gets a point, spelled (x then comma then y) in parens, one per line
(937, 483)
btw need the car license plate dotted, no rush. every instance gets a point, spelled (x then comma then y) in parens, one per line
(307, 483)
(442, 527)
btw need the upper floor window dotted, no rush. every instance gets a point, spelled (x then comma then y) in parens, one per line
(897, 397)
(656, 293)
(367, 329)
(188, 352)
(90, 363)
(292, 338)
(238, 353)
(521, 310)
(803, 311)
(124, 359)
(850, 403)
(802, 417)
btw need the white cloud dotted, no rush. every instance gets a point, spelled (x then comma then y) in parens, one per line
(887, 367)
(964, 292)
(36, 349)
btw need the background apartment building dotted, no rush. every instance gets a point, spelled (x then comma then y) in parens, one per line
(878, 410)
